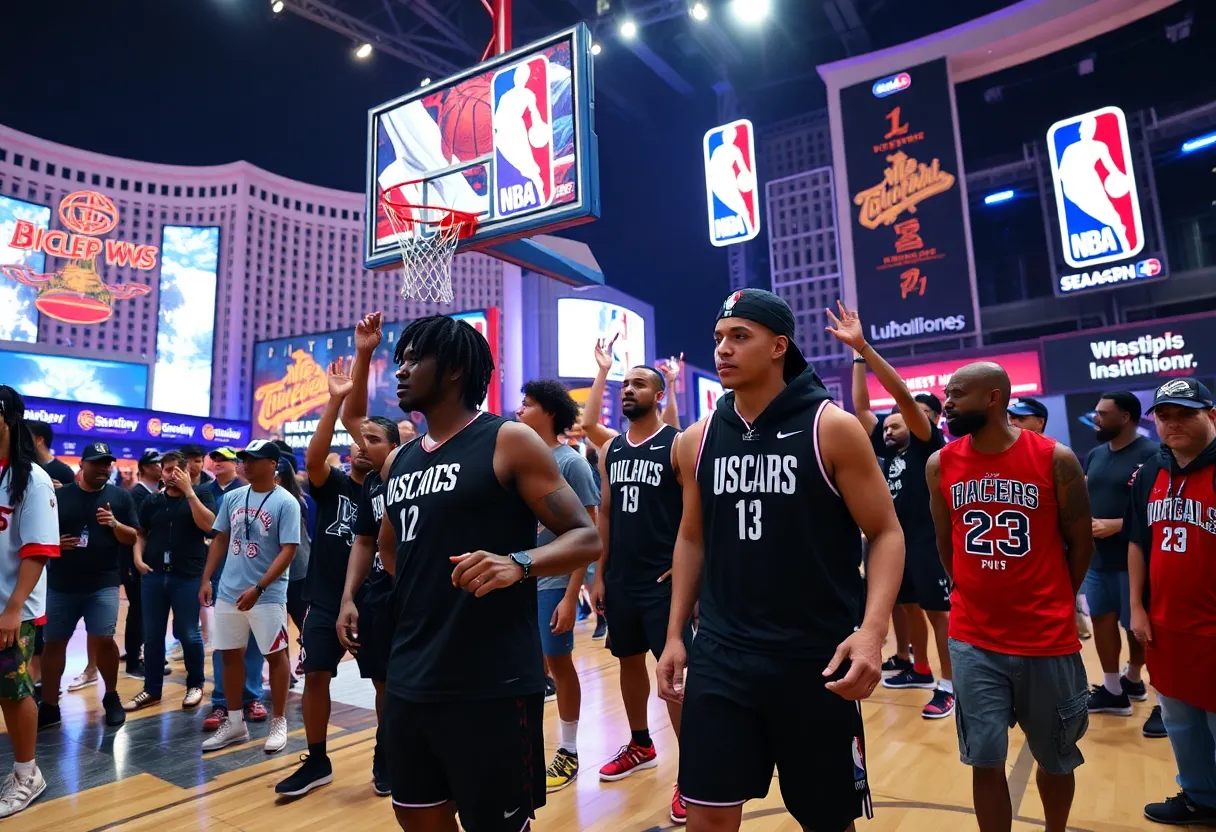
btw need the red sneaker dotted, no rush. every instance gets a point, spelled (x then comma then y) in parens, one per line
(679, 809)
(255, 712)
(629, 759)
(212, 721)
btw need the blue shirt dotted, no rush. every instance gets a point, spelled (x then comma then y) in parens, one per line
(577, 472)
(259, 525)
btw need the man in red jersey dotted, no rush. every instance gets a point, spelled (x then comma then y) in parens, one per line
(1014, 533)
(1171, 566)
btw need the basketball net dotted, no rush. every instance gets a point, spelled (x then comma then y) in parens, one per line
(427, 236)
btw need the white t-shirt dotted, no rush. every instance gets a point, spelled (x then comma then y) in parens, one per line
(28, 530)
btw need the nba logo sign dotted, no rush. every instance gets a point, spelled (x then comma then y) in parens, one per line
(523, 137)
(1091, 165)
(730, 183)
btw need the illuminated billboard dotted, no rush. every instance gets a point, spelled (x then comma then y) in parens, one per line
(730, 183)
(18, 315)
(1022, 367)
(709, 390)
(580, 321)
(75, 379)
(290, 388)
(185, 321)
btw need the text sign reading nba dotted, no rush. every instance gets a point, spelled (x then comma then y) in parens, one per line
(1102, 233)
(904, 179)
(730, 183)
(523, 137)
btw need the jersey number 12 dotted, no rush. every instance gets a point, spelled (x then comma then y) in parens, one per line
(409, 522)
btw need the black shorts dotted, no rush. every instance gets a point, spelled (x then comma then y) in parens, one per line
(375, 637)
(320, 649)
(925, 583)
(758, 712)
(637, 621)
(486, 756)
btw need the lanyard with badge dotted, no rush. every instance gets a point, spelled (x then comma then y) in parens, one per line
(258, 513)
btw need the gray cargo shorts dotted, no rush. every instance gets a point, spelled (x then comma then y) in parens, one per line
(1048, 696)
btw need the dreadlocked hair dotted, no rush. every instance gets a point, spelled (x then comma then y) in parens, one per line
(453, 344)
(20, 450)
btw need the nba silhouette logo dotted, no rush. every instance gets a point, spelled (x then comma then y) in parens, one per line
(1091, 165)
(730, 183)
(523, 137)
(617, 322)
(859, 761)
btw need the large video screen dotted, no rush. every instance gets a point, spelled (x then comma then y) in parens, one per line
(290, 387)
(708, 392)
(18, 315)
(185, 321)
(509, 141)
(91, 380)
(580, 321)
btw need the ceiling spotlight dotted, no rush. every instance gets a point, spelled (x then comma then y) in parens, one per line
(363, 51)
(629, 29)
(276, 6)
(699, 12)
(425, 82)
(751, 11)
(596, 49)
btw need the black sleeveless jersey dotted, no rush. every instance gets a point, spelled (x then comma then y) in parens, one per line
(645, 509)
(379, 583)
(447, 644)
(782, 553)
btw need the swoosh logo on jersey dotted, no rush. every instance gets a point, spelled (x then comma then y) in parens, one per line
(657, 447)
(781, 435)
(508, 814)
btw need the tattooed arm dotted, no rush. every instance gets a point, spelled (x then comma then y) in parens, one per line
(1076, 522)
(525, 464)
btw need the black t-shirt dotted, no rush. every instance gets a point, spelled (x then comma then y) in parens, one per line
(337, 504)
(93, 565)
(379, 584)
(905, 473)
(140, 494)
(1108, 476)
(59, 471)
(173, 536)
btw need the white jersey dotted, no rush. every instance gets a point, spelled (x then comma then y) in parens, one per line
(29, 529)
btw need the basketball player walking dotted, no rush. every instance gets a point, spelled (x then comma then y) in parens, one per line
(778, 484)
(465, 696)
(1014, 531)
(640, 505)
(908, 437)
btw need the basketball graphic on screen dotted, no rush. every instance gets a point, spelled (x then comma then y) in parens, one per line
(464, 120)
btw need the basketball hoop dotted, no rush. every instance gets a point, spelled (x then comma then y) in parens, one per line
(427, 236)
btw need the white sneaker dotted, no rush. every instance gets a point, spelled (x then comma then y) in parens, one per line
(227, 734)
(19, 792)
(84, 680)
(277, 739)
(177, 654)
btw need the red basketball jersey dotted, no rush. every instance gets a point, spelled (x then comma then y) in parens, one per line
(1012, 589)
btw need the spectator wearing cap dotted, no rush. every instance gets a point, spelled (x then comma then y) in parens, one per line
(147, 482)
(1029, 414)
(223, 462)
(96, 520)
(1171, 564)
(195, 455)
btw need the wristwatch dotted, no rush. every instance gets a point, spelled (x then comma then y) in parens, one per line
(261, 589)
(525, 563)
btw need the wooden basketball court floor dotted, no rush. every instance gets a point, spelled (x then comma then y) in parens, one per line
(151, 775)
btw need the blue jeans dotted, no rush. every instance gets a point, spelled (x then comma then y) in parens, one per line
(161, 592)
(253, 668)
(1192, 734)
(99, 609)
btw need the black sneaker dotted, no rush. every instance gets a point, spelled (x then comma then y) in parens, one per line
(313, 773)
(550, 690)
(910, 679)
(135, 670)
(895, 665)
(601, 627)
(380, 781)
(1154, 726)
(37, 693)
(115, 715)
(1180, 810)
(48, 716)
(1136, 691)
(1102, 701)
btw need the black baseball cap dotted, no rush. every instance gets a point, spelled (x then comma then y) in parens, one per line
(1184, 392)
(189, 451)
(768, 310)
(259, 449)
(931, 401)
(96, 452)
(151, 456)
(1026, 406)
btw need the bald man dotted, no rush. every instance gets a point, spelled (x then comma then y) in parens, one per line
(1013, 525)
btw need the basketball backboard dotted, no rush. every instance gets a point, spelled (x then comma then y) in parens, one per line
(510, 140)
